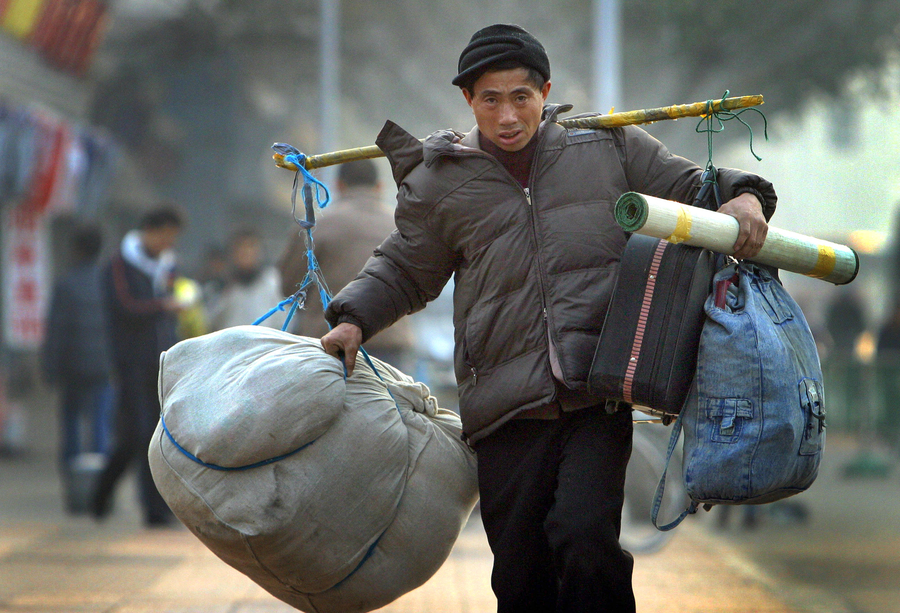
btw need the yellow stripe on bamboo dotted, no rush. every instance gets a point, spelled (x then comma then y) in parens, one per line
(825, 263)
(682, 230)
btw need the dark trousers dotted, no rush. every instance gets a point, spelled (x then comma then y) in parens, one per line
(551, 502)
(86, 405)
(136, 419)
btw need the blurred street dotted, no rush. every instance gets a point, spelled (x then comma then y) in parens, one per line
(139, 205)
(845, 558)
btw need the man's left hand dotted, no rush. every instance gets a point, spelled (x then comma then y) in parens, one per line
(747, 209)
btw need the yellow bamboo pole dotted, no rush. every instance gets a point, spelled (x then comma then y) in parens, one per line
(613, 120)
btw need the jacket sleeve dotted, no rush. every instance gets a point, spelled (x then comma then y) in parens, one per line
(409, 269)
(651, 169)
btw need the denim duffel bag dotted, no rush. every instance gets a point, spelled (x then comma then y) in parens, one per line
(754, 420)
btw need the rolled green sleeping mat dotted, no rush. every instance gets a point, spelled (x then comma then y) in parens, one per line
(783, 249)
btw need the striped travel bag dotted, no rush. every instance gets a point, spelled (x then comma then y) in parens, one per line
(647, 352)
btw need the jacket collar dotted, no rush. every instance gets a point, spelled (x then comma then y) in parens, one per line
(405, 152)
(449, 142)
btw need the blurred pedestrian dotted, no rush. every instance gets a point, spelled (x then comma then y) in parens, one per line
(345, 237)
(252, 289)
(76, 358)
(845, 319)
(137, 287)
(213, 276)
(888, 361)
(845, 322)
(519, 212)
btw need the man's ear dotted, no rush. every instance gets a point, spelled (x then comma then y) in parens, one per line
(545, 91)
(467, 96)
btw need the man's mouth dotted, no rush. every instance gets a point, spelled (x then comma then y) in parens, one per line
(509, 134)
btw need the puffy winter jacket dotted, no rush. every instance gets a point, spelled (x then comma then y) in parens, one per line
(533, 267)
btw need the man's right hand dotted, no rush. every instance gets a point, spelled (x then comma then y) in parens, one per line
(343, 343)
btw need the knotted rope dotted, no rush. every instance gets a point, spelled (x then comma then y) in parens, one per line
(713, 121)
(315, 195)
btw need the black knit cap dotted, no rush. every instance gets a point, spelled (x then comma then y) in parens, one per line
(498, 43)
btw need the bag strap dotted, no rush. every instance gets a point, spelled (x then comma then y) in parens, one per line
(722, 286)
(661, 488)
(709, 196)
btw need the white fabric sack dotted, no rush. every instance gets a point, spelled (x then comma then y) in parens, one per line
(368, 496)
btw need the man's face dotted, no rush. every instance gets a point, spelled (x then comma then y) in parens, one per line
(157, 240)
(246, 254)
(507, 107)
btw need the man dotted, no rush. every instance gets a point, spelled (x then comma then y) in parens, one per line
(76, 357)
(137, 288)
(345, 237)
(253, 287)
(519, 210)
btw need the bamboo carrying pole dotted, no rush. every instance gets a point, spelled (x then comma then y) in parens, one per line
(613, 120)
(681, 223)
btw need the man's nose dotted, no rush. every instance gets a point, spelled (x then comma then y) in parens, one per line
(507, 114)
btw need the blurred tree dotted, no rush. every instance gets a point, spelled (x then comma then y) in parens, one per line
(788, 49)
(236, 75)
(399, 54)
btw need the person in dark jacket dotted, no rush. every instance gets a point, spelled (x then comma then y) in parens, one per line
(76, 358)
(520, 212)
(138, 292)
(889, 378)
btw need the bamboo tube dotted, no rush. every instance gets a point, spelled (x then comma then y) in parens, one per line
(681, 223)
(630, 118)
(613, 120)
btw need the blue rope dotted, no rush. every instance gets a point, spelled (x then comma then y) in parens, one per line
(315, 195)
(313, 191)
(279, 307)
(191, 456)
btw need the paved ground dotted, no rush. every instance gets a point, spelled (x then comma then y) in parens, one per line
(850, 546)
(56, 564)
(845, 559)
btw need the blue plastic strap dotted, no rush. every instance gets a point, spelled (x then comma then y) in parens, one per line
(279, 307)
(290, 315)
(194, 458)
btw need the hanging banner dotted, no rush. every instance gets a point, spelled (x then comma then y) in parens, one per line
(26, 282)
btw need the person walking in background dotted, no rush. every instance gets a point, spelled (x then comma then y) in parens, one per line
(213, 276)
(252, 289)
(888, 361)
(345, 237)
(76, 358)
(845, 322)
(137, 288)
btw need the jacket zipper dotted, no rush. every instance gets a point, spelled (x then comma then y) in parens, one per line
(537, 246)
(527, 193)
(540, 272)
